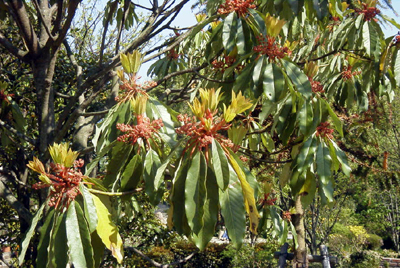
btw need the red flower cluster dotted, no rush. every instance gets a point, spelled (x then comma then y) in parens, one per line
(268, 47)
(144, 129)
(347, 73)
(200, 137)
(64, 183)
(316, 86)
(239, 6)
(324, 130)
(369, 12)
(223, 64)
(172, 54)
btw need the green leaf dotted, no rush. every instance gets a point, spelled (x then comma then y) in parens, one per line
(396, 66)
(195, 191)
(321, 8)
(132, 174)
(210, 215)
(42, 254)
(58, 249)
(369, 38)
(306, 117)
(342, 158)
(118, 158)
(306, 154)
(324, 163)
(30, 233)
(220, 165)
(94, 162)
(273, 82)
(299, 79)
(241, 38)
(233, 210)
(335, 119)
(257, 76)
(107, 230)
(151, 165)
(308, 190)
(229, 32)
(89, 208)
(78, 237)
(178, 196)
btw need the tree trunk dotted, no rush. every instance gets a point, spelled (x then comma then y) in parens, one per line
(300, 257)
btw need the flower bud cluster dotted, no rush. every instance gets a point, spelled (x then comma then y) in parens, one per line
(269, 47)
(144, 129)
(316, 86)
(239, 6)
(324, 130)
(369, 12)
(347, 73)
(63, 183)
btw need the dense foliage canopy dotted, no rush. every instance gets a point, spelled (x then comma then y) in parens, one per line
(259, 100)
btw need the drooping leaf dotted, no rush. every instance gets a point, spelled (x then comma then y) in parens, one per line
(89, 208)
(42, 253)
(30, 233)
(233, 210)
(78, 237)
(132, 174)
(229, 31)
(151, 164)
(195, 192)
(306, 119)
(248, 193)
(119, 155)
(58, 249)
(298, 78)
(220, 165)
(107, 230)
(342, 158)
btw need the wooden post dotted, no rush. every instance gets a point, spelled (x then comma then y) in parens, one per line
(325, 256)
(283, 255)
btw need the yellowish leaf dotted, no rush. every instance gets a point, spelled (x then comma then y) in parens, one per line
(248, 193)
(36, 166)
(62, 154)
(107, 230)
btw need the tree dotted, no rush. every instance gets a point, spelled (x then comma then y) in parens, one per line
(276, 81)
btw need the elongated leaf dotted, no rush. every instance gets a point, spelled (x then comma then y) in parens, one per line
(220, 165)
(324, 163)
(30, 233)
(257, 76)
(195, 192)
(240, 37)
(342, 158)
(151, 165)
(94, 162)
(248, 193)
(299, 79)
(78, 237)
(306, 117)
(229, 31)
(233, 210)
(306, 154)
(89, 208)
(210, 215)
(396, 66)
(335, 119)
(132, 174)
(119, 155)
(42, 254)
(108, 231)
(178, 196)
(58, 249)
(273, 82)
(308, 190)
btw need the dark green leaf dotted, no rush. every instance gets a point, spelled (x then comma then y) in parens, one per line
(132, 174)
(30, 233)
(151, 165)
(195, 192)
(41, 260)
(273, 82)
(78, 237)
(90, 208)
(233, 210)
(306, 117)
(229, 32)
(299, 79)
(220, 165)
(58, 249)
(119, 155)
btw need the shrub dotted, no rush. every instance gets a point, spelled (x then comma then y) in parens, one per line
(374, 241)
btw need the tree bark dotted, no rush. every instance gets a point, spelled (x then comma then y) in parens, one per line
(300, 258)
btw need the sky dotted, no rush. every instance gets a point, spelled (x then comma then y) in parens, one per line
(186, 18)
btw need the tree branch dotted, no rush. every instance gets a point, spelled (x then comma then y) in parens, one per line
(20, 54)
(6, 194)
(17, 133)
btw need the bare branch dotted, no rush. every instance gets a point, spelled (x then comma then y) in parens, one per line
(44, 21)
(95, 113)
(20, 15)
(20, 54)
(72, 6)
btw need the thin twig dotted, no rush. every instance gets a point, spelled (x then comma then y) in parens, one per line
(115, 193)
